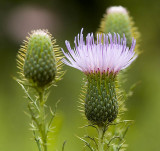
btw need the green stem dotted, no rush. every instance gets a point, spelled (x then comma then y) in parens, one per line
(38, 144)
(43, 124)
(101, 133)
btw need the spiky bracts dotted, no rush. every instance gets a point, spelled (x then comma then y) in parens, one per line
(117, 20)
(101, 106)
(39, 59)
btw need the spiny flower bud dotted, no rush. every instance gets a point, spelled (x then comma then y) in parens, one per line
(101, 103)
(37, 59)
(101, 62)
(117, 20)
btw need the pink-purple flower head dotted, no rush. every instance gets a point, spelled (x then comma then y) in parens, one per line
(109, 54)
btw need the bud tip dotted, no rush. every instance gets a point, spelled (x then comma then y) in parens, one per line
(117, 9)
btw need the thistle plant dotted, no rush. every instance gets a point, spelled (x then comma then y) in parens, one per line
(101, 61)
(39, 61)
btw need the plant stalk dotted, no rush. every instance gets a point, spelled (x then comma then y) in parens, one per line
(43, 123)
(101, 138)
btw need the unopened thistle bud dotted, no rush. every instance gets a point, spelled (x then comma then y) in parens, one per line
(101, 61)
(37, 58)
(117, 20)
(39, 61)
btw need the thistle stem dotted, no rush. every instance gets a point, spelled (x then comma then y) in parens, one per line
(42, 116)
(101, 133)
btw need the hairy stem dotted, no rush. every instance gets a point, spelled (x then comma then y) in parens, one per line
(43, 123)
(101, 138)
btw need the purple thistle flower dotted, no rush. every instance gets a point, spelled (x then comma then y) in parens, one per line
(109, 54)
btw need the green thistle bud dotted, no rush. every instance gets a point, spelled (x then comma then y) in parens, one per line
(117, 20)
(37, 59)
(101, 104)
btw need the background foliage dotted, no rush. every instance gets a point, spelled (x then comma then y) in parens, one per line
(64, 19)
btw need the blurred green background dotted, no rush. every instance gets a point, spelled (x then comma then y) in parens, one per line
(64, 19)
